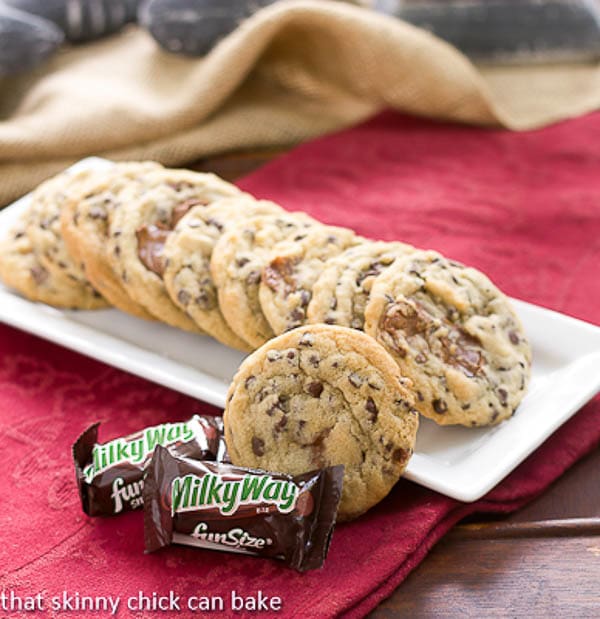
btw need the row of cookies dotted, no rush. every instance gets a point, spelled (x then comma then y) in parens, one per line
(451, 331)
(197, 253)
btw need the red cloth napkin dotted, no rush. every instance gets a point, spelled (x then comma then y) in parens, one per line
(525, 208)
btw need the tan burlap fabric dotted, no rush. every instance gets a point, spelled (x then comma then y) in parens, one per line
(295, 70)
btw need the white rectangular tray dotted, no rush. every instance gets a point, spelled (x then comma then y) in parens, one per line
(460, 462)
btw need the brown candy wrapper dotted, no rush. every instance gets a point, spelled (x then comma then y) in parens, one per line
(110, 476)
(224, 507)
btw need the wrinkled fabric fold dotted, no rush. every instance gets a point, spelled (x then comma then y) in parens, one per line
(295, 70)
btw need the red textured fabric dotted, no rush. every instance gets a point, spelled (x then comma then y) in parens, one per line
(525, 208)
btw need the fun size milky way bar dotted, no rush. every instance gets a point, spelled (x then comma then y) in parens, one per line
(224, 507)
(110, 476)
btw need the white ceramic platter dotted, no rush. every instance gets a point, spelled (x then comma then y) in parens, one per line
(460, 462)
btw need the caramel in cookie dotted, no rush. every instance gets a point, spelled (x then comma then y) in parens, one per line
(292, 269)
(341, 293)
(455, 335)
(188, 253)
(237, 262)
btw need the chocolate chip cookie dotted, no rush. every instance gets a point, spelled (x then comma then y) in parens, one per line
(84, 224)
(236, 266)
(455, 335)
(21, 269)
(188, 253)
(342, 290)
(43, 229)
(291, 271)
(141, 226)
(318, 396)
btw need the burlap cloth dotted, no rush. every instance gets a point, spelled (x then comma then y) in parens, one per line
(295, 70)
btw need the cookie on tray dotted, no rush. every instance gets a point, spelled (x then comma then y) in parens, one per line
(188, 253)
(291, 271)
(140, 226)
(455, 335)
(236, 266)
(340, 294)
(84, 224)
(44, 230)
(318, 396)
(21, 269)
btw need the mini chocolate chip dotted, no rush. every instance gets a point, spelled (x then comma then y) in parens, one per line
(307, 339)
(301, 423)
(179, 185)
(217, 224)
(283, 402)
(240, 262)
(98, 212)
(503, 395)
(117, 251)
(372, 409)
(329, 320)
(273, 355)
(291, 354)
(315, 389)
(281, 424)
(421, 358)
(355, 380)
(356, 323)
(184, 297)
(466, 407)
(314, 360)
(304, 298)
(452, 314)
(251, 379)
(297, 314)
(253, 278)
(495, 415)
(420, 396)
(440, 406)
(514, 338)
(39, 274)
(258, 446)
(206, 300)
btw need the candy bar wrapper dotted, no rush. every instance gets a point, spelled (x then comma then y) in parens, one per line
(110, 476)
(224, 507)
